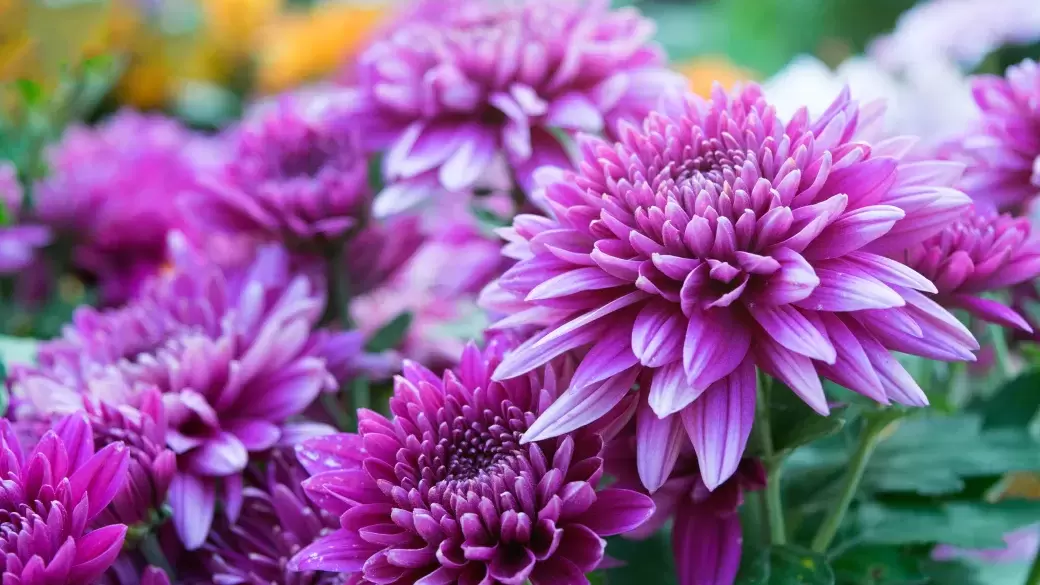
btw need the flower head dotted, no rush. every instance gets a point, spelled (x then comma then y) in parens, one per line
(474, 82)
(717, 239)
(979, 253)
(52, 496)
(114, 193)
(1003, 152)
(291, 177)
(277, 520)
(444, 492)
(233, 355)
(18, 243)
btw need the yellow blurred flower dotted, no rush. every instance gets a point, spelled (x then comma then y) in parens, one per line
(300, 46)
(234, 26)
(703, 72)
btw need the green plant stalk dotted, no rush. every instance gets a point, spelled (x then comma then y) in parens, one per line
(337, 307)
(869, 438)
(772, 502)
(1034, 571)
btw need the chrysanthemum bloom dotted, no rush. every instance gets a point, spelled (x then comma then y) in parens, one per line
(717, 239)
(52, 495)
(706, 532)
(449, 94)
(978, 253)
(113, 192)
(377, 254)
(291, 177)
(445, 493)
(1003, 152)
(234, 356)
(276, 522)
(18, 243)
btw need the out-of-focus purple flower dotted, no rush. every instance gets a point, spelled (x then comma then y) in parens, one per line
(291, 177)
(706, 535)
(1003, 152)
(233, 354)
(448, 94)
(52, 496)
(715, 240)
(114, 193)
(975, 254)
(276, 522)
(961, 31)
(18, 243)
(1021, 546)
(376, 254)
(445, 492)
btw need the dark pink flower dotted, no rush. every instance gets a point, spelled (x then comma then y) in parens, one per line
(444, 492)
(716, 240)
(472, 82)
(51, 498)
(979, 253)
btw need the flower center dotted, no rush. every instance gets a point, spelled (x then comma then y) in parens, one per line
(303, 162)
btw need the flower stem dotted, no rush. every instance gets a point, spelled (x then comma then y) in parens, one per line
(337, 306)
(772, 502)
(1034, 571)
(870, 436)
(153, 554)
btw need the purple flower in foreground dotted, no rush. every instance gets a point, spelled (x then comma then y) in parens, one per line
(451, 93)
(715, 240)
(277, 520)
(18, 243)
(114, 192)
(51, 497)
(291, 177)
(976, 254)
(445, 493)
(233, 355)
(1003, 152)
(706, 534)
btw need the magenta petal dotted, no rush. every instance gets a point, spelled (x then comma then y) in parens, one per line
(658, 442)
(795, 370)
(611, 355)
(96, 552)
(578, 407)
(341, 552)
(706, 546)
(658, 334)
(193, 501)
(844, 291)
(255, 435)
(102, 476)
(793, 329)
(223, 455)
(670, 390)
(991, 311)
(78, 438)
(330, 452)
(719, 424)
(716, 343)
(617, 511)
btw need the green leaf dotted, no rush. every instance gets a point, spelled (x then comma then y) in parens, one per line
(390, 335)
(32, 93)
(794, 424)
(5, 399)
(375, 173)
(963, 524)
(786, 565)
(1014, 405)
(954, 573)
(878, 565)
(646, 561)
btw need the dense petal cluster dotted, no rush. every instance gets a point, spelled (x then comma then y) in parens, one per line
(114, 192)
(976, 254)
(276, 522)
(292, 176)
(1003, 152)
(716, 239)
(18, 243)
(444, 492)
(52, 496)
(233, 355)
(476, 82)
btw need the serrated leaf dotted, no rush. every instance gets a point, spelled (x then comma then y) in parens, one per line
(962, 524)
(878, 565)
(390, 335)
(786, 565)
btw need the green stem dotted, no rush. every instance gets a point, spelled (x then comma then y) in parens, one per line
(870, 436)
(1034, 571)
(1000, 350)
(337, 307)
(772, 501)
(154, 555)
(332, 405)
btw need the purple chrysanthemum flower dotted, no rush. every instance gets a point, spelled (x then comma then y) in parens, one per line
(18, 243)
(292, 177)
(717, 239)
(276, 522)
(114, 193)
(445, 493)
(480, 81)
(1004, 150)
(376, 254)
(50, 500)
(233, 355)
(706, 532)
(979, 253)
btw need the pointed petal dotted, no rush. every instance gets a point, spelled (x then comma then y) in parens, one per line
(658, 443)
(719, 424)
(578, 407)
(716, 343)
(793, 329)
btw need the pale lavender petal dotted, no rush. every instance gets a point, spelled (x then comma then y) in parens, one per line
(719, 424)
